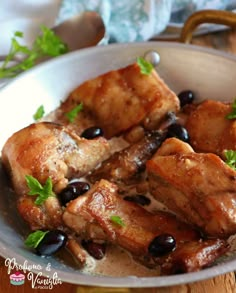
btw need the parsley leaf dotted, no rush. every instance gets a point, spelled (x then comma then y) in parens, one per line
(117, 220)
(230, 158)
(232, 115)
(39, 113)
(43, 192)
(48, 44)
(35, 238)
(18, 34)
(74, 112)
(145, 66)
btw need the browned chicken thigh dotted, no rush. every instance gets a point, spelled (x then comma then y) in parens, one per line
(209, 129)
(120, 99)
(46, 150)
(193, 256)
(92, 215)
(200, 188)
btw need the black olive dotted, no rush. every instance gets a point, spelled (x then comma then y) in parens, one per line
(96, 250)
(92, 132)
(186, 97)
(177, 130)
(161, 245)
(72, 191)
(53, 241)
(139, 199)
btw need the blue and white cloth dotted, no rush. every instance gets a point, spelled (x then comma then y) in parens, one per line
(139, 20)
(125, 20)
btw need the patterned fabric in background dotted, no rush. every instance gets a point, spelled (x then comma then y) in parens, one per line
(138, 20)
(132, 20)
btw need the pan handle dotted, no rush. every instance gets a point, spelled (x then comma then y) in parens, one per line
(206, 16)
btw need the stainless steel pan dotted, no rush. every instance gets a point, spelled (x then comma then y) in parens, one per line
(210, 74)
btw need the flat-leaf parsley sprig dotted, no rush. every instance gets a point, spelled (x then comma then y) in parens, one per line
(35, 238)
(230, 156)
(47, 44)
(145, 66)
(71, 115)
(39, 113)
(117, 220)
(35, 188)
(232, 114)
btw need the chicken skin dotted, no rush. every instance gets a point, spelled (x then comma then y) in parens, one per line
(91, 216)
(120, 99)
(209, 129)
(198, 187)
(46, 150)
(193, 256)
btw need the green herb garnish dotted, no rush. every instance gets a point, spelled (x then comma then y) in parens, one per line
(48, 44)
(35, 238)
(232, 114)
(39, 113)
(230, 156)
(43, 192)
(74, 112)
(117, 220)
(145, 66)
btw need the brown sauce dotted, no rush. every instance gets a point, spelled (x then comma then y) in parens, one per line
(118, 263)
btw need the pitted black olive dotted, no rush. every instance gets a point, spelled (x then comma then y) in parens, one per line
(92, 132)
(161, 245)
(186, 97)
(178, 131)
(72, 191)
(53, 241)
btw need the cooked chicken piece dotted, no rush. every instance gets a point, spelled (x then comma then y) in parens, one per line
(121, 99)
(200, 188)
(102, 201)
(46, 150)
(46, 216)
(137, 227)
(49, 150)
(173, 146)
(127, 165)
(209, 129)
(193, 256)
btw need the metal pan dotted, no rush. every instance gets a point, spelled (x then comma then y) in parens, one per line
(209, 73)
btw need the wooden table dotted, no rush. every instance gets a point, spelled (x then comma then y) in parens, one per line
(225, 41)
